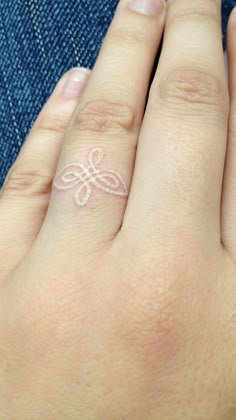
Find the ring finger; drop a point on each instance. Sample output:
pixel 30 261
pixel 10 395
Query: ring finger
pixel 96 163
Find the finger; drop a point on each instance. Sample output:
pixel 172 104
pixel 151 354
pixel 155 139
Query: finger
pixel 26 191
pixel 183 139
pixel 228 214
pixel 98 152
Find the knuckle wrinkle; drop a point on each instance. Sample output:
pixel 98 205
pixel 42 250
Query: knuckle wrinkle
pixel 194 89
pixel 28 181
pixel 103 116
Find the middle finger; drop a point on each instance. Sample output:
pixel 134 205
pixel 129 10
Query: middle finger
pixel 182 143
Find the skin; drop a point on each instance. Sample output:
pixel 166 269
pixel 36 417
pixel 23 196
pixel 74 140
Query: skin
pixel 125 308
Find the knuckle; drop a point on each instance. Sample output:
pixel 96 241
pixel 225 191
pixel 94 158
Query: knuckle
pixel 51 123
pixel 208 14
pixel 129 36
pixel 193 90
pixel 28 181
pixel 102 116
pixel 151 321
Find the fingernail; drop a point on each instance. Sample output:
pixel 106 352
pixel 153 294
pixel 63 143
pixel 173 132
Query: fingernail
pixel 75 82
pixel 147 7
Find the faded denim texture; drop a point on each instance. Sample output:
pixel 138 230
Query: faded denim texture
pixel 39 41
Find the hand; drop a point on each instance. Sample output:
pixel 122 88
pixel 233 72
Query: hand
pixel 118 284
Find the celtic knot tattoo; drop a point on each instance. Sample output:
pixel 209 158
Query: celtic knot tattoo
pixel 89 177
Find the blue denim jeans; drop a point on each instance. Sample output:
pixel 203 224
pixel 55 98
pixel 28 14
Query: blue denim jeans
pixel 39 41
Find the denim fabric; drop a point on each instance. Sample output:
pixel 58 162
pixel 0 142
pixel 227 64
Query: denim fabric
pixel 39 41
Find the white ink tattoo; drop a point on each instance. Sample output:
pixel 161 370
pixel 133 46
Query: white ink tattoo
pixel 87 177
